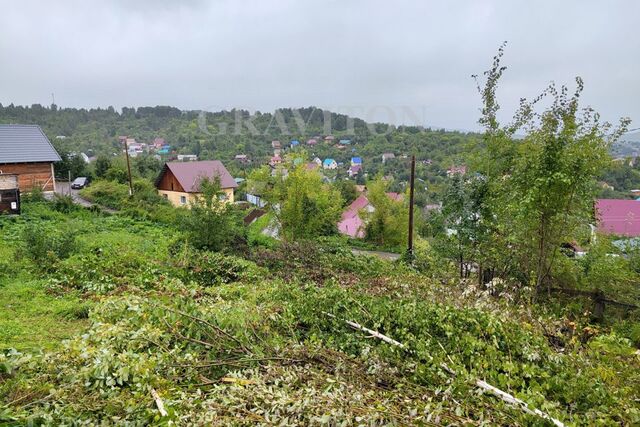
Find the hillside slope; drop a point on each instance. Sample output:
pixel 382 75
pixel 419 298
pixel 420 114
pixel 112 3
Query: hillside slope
pixel 187 337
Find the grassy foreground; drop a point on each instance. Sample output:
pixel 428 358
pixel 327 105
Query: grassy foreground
pixel 175 336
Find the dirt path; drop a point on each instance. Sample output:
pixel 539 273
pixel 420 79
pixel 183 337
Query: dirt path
pixel 63 188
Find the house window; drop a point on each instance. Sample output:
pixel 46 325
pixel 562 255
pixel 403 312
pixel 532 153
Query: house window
pixel 223 197
pixel 183 200
pixel 166 196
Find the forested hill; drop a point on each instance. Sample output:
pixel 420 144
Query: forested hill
pixel 224 134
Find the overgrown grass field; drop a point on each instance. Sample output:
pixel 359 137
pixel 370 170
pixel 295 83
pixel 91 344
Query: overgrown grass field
pixel 107 319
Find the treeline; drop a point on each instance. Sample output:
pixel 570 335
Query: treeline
pixel 224 134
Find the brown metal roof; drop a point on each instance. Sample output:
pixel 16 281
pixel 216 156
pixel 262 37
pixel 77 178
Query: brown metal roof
pixel 189 174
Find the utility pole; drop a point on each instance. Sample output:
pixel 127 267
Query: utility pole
pixel 411 187
pixel 126 152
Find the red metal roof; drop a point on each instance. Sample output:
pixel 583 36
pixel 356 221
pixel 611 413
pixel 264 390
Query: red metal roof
pixel 618 216
pixel 189 174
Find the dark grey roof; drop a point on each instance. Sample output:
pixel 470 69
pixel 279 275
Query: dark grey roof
pixel 25 143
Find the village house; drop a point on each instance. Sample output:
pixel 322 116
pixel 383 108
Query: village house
pixel 456 170
pixel 294 143
pixel 605 186
pixel 354 170
pixel 187 157
pixel 351 224
pixel 275 160
pixel 356 161
pixel 619 217
pixel 242 158
pixel 276 144
pixel 158 143
pixel 179 182
pixel 312 141
pixel 164 150
pixel 329 138
pixel 387 156
pixel 329 164
pixel 26 152
pixel 136 148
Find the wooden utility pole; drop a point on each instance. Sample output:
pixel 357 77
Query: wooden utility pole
pixel 411 187
pixel 126 152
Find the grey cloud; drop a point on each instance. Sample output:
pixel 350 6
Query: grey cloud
pixel 336 54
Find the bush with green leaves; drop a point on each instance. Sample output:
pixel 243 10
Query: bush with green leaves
pixel 106 193
pixel 63 203
pixel 211 223
pixel 208 268
pixel 45 246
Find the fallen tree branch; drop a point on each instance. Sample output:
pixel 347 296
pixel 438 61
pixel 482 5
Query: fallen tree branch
pixel 207 323
pixel 371 332
pixel 516 402
pixel 159 403
pixel 480 383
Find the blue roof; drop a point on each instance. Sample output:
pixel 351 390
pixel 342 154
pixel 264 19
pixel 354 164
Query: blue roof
pixel 356 160
pixel 345 141
pixel 295 142
pixel 328 161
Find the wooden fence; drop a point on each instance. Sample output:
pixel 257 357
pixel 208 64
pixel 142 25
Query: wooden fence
pixel 599 300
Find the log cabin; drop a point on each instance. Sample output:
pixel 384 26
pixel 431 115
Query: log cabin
pixel 26 151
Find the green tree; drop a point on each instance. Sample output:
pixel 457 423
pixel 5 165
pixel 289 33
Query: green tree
pixel 211 223
pixel 308 208
pixel 387 224
pixel 347 190
pixel 543 186
pixel 304 205
pixel 102 165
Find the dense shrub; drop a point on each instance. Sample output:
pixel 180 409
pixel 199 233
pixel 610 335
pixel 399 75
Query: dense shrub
pixel 106 193
pixel 36 195
pixel 44 246
pixel 63 203
pixel 212 224
pixel 214 268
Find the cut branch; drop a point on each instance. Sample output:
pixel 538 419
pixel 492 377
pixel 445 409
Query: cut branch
pixel 371 332
pixel 480 383
pixel 159 403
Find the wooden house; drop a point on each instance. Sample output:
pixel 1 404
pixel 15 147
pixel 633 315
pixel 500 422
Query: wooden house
pixel 179 182
pixel 25 151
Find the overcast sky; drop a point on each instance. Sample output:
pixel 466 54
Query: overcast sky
pixel 367 57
